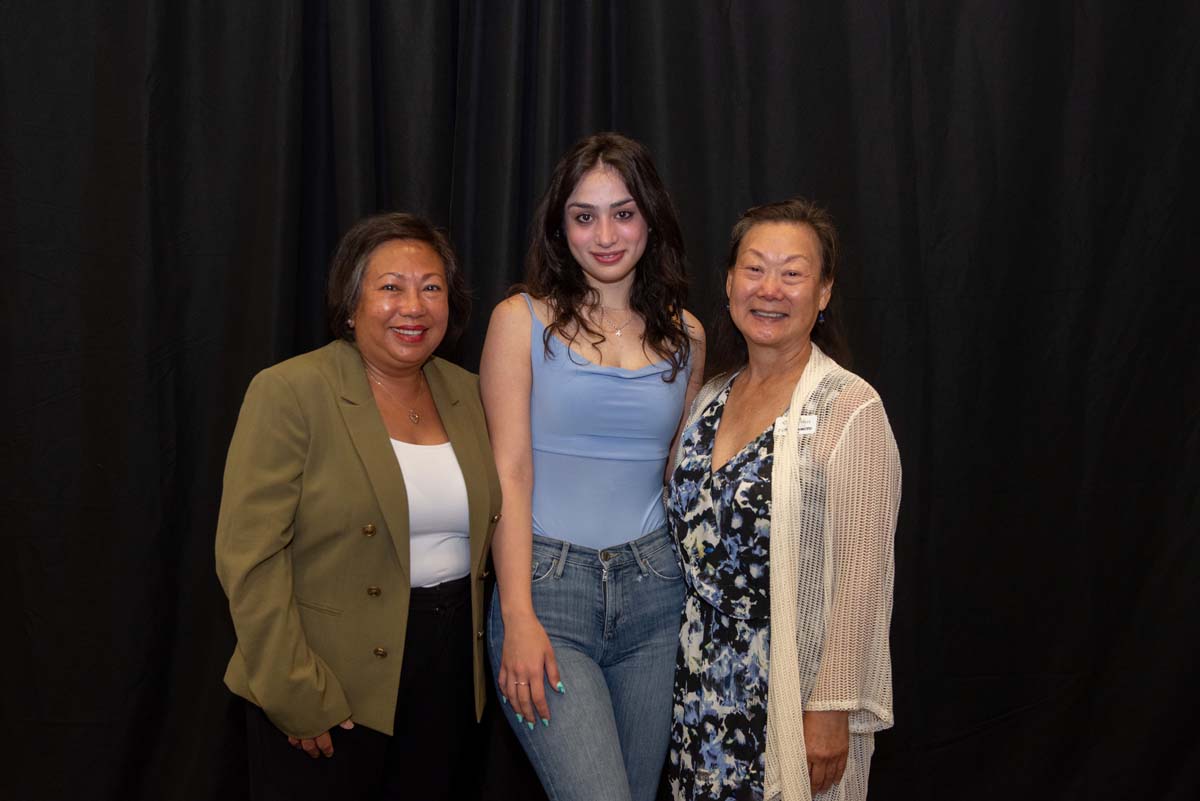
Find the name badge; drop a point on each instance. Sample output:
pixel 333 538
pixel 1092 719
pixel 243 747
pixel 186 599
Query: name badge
pixel 806 424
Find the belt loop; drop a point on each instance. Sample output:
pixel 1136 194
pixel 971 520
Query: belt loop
pixel 637 557
pixel 562 560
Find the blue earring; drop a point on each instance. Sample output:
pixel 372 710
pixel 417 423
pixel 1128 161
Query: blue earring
pixel 820 316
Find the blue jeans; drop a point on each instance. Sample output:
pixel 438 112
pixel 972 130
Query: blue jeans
pixel 613 618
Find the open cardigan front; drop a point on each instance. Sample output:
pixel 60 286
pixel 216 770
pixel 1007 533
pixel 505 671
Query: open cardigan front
pixel 835 495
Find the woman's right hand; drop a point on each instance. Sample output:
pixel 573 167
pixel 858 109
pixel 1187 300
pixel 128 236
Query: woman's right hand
pixel 505 384
pixel 321 744
pixel 525 660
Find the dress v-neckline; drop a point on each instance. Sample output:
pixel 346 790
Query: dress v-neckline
pixel 723 398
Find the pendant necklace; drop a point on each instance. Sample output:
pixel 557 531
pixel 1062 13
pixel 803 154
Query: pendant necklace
pixel 413 415
pixel 616 329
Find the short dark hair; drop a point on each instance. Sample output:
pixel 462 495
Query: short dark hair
pixel 660 279
pixel 729 346
pixel 354 253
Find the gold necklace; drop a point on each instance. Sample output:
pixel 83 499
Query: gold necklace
pixel 413 416
pixel 616 329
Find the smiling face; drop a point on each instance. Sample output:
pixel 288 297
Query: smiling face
pixel 605 230
pixel 775 288
pixel 403 307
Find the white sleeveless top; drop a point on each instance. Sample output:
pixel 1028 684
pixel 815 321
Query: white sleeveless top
pixel 439 542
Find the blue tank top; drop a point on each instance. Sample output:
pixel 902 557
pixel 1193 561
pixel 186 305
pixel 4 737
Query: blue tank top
pixel 601 437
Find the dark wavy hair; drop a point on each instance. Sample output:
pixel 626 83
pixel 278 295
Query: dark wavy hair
pixel 660 276
pixel 354 253
pixel 728 350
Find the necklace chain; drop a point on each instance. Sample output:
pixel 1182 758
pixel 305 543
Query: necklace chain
pixel 616 329
pixel 413 416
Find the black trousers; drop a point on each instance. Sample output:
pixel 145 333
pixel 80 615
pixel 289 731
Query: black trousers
pixel 434 752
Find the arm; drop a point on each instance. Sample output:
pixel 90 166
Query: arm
pixel 264 475
pixel 853 689
pixel 695 381
pixel 505 383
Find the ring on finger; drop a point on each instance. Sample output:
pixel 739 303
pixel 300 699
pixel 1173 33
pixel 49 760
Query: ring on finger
pixel 521 683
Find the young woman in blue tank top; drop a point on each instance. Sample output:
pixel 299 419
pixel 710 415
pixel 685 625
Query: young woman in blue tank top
pixel 585 378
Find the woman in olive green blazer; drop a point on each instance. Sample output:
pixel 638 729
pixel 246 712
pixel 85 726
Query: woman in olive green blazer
pixel 313 546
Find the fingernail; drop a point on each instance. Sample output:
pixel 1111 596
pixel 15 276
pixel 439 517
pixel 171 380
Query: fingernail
pixel 520 718
pixel 504 700
pixel 530 725
pixel 545 722
pixel 561 689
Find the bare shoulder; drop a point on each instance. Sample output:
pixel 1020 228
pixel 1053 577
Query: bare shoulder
pixel 506 344
pixel 511 310
pixel 698 354
pixel 510 318
pixel 694 328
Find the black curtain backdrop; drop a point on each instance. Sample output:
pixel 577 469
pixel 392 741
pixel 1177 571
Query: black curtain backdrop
pixel 1016 185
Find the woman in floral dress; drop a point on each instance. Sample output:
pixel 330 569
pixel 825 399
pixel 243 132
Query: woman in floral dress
pixel 783 502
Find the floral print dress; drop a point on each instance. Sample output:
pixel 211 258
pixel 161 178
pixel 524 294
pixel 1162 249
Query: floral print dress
pixel 722 521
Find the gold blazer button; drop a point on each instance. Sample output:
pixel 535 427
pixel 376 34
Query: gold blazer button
pixel 495 518
pixel 374 592
pixel 380 652
pixel 369 529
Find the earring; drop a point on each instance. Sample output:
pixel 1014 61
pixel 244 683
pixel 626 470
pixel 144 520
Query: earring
pixel 350 321
pixel 821 316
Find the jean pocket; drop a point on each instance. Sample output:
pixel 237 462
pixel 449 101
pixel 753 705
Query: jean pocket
pixel 664 564
pixel 542 568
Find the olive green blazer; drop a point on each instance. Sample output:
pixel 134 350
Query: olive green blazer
pixel 312 539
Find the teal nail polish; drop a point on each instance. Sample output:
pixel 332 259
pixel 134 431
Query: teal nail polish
pixel 504 700
pixel 530 725
pixel 561 689
pixel 545 722
pixel 520 718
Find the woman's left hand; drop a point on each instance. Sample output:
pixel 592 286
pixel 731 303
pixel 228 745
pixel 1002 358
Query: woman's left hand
pixel 827 743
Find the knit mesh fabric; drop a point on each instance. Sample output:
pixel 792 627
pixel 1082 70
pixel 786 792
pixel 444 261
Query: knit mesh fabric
pixel 835 494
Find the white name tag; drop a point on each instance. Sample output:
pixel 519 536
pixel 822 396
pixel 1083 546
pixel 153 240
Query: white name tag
pixel 805 424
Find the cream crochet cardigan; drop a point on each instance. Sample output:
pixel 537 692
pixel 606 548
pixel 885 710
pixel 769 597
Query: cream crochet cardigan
pixel 835 494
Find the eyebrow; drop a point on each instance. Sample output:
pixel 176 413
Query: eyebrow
pixel 424 277
pixel 591 207
pixel 793 257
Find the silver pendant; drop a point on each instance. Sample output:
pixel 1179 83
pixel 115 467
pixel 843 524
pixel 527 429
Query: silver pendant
pixel 413 417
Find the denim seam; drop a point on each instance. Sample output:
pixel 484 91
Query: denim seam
pixel 536 579
pixel 668 578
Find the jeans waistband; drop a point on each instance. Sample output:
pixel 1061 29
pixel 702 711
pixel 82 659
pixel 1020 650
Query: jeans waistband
pixel 633 552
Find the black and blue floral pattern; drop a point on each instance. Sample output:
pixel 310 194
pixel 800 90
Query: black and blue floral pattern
pixel 722 522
